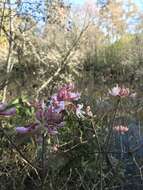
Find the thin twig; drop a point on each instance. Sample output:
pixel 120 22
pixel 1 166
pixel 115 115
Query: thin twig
pixel 63 63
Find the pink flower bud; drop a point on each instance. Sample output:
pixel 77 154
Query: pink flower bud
pixel 32 128
pixel 3 106
pixel 8 112
pixel 22 130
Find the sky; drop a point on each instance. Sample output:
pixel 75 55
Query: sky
pixel 76 2
pixel 38 15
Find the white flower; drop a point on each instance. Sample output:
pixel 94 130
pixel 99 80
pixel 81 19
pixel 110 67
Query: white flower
pixel 79 111
pixel 133 95
pixel 115 91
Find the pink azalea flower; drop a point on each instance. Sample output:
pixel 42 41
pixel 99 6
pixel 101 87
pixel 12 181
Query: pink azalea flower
pixel 89 112
pixel 8 112
pixel 120 128
pixel 62 94
pixel 52 117
pixel 54 97
pixel 70 86
pixel 66 93
pixel 79 111
pixel 124 92
pixel 73 96
pixel 22 130
pixel 58 106
pixel 119 91
pixel 28 129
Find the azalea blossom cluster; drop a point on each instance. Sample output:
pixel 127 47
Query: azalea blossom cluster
pixel 51 117
pixel 121 92
pixel 121 129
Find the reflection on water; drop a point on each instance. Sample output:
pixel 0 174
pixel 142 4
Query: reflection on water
pixel 128 149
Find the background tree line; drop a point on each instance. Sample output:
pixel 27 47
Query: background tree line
pixel 46 38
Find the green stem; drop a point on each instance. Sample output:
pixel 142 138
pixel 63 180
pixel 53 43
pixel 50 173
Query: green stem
pixel 43 160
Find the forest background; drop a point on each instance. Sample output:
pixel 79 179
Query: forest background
pixel 44 44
